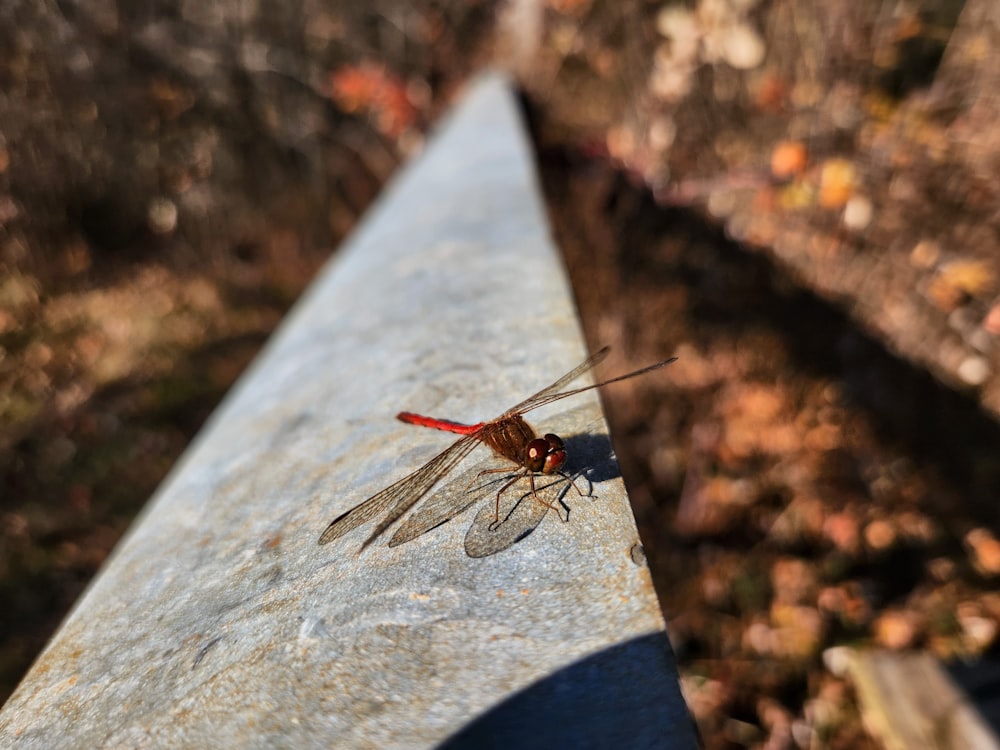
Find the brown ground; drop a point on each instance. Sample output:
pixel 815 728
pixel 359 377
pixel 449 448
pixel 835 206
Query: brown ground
pixel 814 235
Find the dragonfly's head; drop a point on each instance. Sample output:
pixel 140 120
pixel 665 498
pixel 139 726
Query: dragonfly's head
pixel 545 455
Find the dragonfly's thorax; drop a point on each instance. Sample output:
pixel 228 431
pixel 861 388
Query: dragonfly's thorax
pixel 509 437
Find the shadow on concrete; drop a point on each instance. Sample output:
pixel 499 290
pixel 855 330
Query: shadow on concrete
pixel 624 696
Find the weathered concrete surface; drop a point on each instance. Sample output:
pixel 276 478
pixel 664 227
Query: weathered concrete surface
pixel 219 621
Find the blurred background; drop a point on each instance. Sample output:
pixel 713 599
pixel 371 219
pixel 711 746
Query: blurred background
pixel 799 198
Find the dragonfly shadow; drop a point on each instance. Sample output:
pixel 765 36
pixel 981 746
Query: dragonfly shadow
pixel 592 456
pixel 590 461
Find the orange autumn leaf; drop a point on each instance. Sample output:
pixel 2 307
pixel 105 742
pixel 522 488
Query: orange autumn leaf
pixel 372 90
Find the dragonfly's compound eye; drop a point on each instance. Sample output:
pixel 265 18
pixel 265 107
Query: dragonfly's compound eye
pixel 555 456
pixel 536 454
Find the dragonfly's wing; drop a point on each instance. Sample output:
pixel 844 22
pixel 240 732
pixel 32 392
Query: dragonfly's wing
pixel 398 498
pixel 485 537
pixel 545 395
pixel 439 508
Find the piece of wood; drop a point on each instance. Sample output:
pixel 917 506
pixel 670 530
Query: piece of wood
pixel 908 701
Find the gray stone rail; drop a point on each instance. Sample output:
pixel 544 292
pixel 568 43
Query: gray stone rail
pixel 220 622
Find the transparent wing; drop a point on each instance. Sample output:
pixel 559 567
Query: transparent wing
pixel 441 507
pixel 398 498
pixel 547 396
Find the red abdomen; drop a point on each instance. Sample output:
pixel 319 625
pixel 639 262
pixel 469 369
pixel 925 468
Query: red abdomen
pixel 438 424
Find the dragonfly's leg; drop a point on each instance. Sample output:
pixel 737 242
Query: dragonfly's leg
pixel 490 471
pixel 496 515
pixel 531 478
pixel 569 479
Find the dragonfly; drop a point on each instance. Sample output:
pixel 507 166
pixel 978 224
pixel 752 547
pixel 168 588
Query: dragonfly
pixel 509 436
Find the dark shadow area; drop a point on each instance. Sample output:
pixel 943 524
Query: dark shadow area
pixel 591 457
pixel 980 681
pixel 622 697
